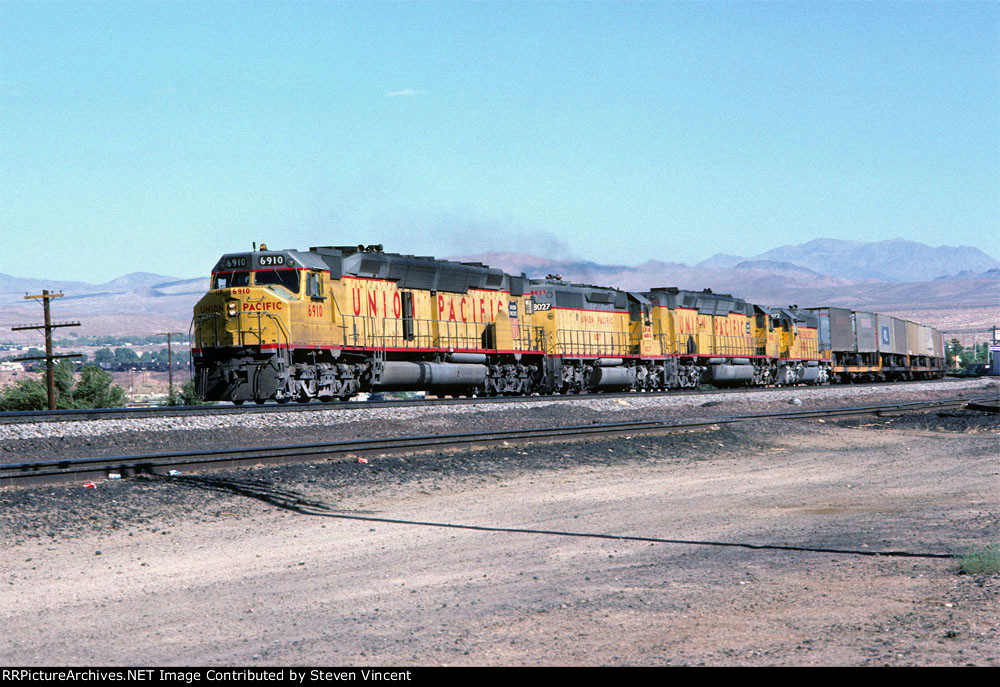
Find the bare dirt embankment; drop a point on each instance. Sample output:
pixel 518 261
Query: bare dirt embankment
pixel 180 573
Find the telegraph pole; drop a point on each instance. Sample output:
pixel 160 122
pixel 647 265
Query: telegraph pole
pixel 45 297
pixel 170 361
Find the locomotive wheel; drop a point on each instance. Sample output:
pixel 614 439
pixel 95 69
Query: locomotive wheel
pixel 238 403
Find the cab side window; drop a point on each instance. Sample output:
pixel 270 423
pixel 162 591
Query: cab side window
pixel 228 280
pixel 314 285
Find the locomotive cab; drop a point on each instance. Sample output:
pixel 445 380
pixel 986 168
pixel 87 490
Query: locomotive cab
pixel 249 300
pixel 242 328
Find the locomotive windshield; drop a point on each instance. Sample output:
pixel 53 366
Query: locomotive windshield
pixel 227 280
pixel 286 278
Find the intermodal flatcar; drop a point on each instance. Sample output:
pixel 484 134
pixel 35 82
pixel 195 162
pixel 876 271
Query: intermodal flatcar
pixel 864 346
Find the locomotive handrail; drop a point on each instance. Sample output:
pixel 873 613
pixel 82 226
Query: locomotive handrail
pixel 388 332
pixel 282 332
pixel 733 344
pixel 592 342
pixel 686 344
pixel 281 329
pixel 369 334
pixel 541 339
pixel 199 343
pixel 454 337
pixel 193 334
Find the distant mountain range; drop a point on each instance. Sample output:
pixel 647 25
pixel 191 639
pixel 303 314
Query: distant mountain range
pixel 956 289
pixel 137 304
pixel 825 269
pixel 890 261
pixel 14 288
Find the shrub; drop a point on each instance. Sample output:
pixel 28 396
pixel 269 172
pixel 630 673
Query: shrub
pixel 93 390
pixel 981 560
pixel 189 396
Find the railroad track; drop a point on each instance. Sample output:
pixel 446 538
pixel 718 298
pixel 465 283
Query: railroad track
pixel 159 463
pixel 26 417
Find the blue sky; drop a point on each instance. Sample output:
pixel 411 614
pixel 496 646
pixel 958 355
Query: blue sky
pixel 157 136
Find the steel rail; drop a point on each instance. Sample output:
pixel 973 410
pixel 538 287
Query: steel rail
pixel 138 413
pixel 127 465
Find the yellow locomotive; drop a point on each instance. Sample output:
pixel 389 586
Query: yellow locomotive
pixel 335 321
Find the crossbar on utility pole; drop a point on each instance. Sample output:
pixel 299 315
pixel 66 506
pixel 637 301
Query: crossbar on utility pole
pixel 45 297
pixel 170 361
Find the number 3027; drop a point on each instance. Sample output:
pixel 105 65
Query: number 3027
pixel 315 310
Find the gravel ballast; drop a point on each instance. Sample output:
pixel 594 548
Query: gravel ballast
pixel 49 441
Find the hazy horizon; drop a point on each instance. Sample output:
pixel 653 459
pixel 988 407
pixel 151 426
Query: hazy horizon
pixel 640 260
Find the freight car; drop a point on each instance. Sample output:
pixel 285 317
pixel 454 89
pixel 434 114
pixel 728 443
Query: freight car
pixel 873 347
pixel 335 321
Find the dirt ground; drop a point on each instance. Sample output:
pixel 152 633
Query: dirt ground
pixel 175 572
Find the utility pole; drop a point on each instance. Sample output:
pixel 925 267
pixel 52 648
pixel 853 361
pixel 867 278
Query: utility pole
pixel 170 361
pixel 45 297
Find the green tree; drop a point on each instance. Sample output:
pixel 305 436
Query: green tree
pixel 96 389
pixel 104 355
pixel 27 394
pixel 93 390
pixel 126 355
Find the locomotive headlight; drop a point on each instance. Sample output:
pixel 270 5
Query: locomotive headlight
pixel 231 308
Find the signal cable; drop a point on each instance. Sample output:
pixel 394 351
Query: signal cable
pixel 291 500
